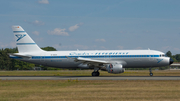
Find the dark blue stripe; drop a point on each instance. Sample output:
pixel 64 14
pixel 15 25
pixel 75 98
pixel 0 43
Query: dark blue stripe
pixel 112 56
pixel 19 31
pixel 26 44
pixel 105 56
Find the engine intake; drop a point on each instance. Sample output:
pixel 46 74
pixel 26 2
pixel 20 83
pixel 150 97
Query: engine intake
pixel 115 68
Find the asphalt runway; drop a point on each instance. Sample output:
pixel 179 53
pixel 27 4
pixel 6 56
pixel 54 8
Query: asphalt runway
pixel 89 78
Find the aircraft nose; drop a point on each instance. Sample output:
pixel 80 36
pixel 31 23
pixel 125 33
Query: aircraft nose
pixel 171 61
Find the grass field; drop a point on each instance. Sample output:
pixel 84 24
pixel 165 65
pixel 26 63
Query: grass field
pixel 74 90
pixel 88 73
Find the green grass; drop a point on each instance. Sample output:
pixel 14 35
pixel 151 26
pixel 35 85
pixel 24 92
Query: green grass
pixel 87 90
pixel 88 73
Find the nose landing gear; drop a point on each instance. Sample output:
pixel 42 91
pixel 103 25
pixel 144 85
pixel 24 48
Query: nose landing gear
pixel 151 74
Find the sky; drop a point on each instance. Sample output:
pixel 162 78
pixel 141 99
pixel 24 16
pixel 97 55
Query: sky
pixel 94 24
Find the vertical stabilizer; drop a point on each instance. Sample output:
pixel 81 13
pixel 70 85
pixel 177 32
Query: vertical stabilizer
pixel 24 42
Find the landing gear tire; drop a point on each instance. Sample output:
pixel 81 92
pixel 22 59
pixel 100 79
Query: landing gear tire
pixel 151 74
pixel 95 73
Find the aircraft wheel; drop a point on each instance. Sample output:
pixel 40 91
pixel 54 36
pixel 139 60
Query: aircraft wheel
pixel 97 73
pixel 151 74
pixel 93 74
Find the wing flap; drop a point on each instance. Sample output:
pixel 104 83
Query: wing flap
pixel 87 60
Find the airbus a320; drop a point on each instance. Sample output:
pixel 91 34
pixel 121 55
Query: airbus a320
pixel 112 61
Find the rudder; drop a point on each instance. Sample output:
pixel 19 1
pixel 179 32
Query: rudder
pixel 24 42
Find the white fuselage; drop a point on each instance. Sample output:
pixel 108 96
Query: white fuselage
pixel 128 58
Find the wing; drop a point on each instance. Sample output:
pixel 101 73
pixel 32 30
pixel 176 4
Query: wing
pixel 90 62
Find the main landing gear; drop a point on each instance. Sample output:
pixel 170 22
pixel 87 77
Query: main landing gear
pixel 95 73
pixel 151 74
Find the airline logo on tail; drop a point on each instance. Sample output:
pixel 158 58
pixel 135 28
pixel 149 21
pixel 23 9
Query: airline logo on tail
pixel 20 36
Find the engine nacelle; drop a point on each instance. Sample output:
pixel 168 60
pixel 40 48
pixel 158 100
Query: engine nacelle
pixel 115 68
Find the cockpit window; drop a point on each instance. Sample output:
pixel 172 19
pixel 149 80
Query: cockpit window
pixel 162 55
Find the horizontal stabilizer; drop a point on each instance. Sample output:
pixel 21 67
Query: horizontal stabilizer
pixel 19 55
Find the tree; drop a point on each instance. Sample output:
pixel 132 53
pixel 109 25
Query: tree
pixel 177 56
pixel 7 63
pixel 49 48
pixel 169 54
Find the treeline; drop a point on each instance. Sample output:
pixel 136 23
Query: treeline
pixel 176 57
pixel 7 63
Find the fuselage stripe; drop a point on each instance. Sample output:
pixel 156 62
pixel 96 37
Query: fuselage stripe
pixel 98 56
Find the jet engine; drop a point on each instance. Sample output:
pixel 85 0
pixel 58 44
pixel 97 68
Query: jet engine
pixel 115 68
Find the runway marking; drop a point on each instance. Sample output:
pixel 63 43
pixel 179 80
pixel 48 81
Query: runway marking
pixel 90 78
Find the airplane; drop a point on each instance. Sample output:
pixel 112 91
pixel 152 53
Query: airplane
pixel 112 61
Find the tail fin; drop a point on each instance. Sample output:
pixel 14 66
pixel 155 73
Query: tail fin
pixel 24 42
